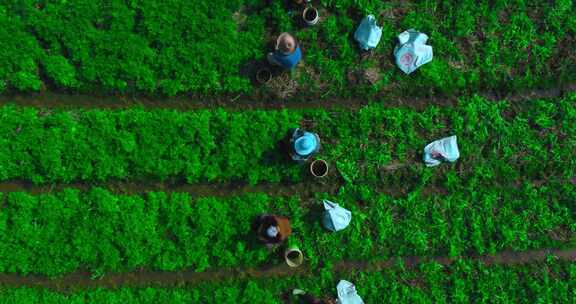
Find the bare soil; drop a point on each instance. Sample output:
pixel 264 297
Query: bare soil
pixel 306 189
pixel 196 190
pixel 240 102
pixel 144 278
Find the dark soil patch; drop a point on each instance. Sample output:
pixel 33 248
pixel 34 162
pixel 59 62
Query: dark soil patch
pixel 145 278
pixel 304 189
pixel 241 102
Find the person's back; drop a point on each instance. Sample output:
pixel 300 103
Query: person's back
pixel 303 297
pixel 288 60
pixel 273 229
pixel 287 53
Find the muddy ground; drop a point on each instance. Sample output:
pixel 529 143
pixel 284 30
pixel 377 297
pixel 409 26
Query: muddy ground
pixel 145 278
pixel 239 102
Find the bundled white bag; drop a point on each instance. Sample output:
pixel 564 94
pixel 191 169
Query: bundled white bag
pixel 412 51
pixel 440 150
pixel 335 217
pixel 368 33
pixel 347 293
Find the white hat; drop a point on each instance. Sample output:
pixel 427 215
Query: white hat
pixel 286 43
pixel 272 231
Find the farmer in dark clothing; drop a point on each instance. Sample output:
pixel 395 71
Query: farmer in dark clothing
pixel 303 145
pixel 308 299
pixel 272 229
pixel 303 297
pixel 287 53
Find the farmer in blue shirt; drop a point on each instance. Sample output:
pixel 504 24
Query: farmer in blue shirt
pixel 303 145
pixel 287 53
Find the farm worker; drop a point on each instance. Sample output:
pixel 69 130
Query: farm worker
pixel 306 298
pixel 300 2
pixel 287 53
pixel 303 145
pixel 273 229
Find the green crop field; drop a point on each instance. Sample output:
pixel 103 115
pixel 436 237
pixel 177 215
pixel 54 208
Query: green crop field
pixel 206 47
pixel 149 195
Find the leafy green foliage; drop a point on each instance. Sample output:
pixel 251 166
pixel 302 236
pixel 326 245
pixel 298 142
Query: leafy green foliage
pixel 102 145
pixel 478 45
pixel 19 55
pixel 509 190
pixel 179 47
pixel 100 231
pixel 128 46
pixel 500 145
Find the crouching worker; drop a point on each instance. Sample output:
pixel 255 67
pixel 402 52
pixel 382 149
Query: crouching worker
pixel 287 53
pixel 272 229
pixel 303 145
pixel 306 298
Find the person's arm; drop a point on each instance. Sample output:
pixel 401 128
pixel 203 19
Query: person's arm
pixel 295 134
pixel 319 143
pixel 284 228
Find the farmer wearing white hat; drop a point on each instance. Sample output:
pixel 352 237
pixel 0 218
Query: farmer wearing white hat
pixel 273 229
pixel 307 298
pixel 287 53
pixel 304 145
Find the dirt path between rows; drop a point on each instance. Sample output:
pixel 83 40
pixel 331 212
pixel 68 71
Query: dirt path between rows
pixel 168 279
pixel 239 102
pixel 308 187
pixel 196 190
pixel 304 189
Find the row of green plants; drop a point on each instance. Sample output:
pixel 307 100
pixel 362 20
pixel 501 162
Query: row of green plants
pixel 500 142
pixel 463 282
pixel 478 45
pixel 127 46
pixel 102 232
pixel 211 47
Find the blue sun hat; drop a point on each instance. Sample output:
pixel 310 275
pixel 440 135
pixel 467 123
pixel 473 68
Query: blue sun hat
pixel 306 144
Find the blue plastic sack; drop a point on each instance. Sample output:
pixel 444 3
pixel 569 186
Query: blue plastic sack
pixel 368 33
pixel 412 51
pixel 335 217
pixel 445 149
pixel 347 293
